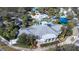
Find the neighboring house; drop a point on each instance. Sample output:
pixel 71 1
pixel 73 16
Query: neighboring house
pixel 63 12
pixel 35 9
pixel 39 16
pixel 45 33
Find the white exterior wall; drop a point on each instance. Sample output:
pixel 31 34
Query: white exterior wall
pixel 44 42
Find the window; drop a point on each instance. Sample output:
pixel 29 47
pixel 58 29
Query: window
pixel 49 40
pixel 52 39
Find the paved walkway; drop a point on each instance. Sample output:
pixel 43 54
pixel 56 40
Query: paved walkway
pixel 75 31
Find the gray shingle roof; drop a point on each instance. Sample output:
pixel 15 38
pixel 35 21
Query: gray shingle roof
pixel 38 30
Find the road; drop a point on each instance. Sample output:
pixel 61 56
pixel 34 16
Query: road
pixel 36 49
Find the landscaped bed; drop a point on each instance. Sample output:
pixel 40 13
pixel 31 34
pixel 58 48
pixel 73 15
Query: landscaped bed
pixel 23 46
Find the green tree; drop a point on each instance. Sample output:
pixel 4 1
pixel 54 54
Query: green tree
pixel 10 31
pixel 6 35
pixel 22 39
pixel 1 31
pixel 27 40
pixel 52 11
pixel 13 33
